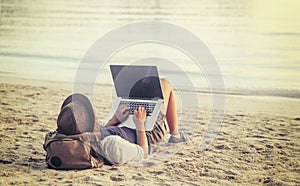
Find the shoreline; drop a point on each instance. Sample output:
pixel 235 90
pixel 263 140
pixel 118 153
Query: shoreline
pixel 263 93
pixel 276 105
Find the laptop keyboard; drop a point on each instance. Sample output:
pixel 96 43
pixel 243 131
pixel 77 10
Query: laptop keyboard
pixel 135 105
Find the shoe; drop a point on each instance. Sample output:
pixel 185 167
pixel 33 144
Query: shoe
pixel 183 138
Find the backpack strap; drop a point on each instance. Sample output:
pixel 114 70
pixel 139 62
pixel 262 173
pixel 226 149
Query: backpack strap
pixel 93 139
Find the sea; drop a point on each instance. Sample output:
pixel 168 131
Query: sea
pixel 256 44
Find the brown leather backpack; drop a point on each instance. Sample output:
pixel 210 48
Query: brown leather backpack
pixel 80 151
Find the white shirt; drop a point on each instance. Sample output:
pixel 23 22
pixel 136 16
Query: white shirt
pixel 119 151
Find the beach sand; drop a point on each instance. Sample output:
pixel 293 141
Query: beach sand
pixel 258 143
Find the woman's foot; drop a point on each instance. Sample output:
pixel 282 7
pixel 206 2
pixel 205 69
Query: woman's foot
pixel 182 138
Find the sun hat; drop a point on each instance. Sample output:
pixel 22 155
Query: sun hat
pixel 76 115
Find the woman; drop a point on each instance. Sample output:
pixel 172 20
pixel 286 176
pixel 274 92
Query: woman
pixel 121 144
pixel 115 139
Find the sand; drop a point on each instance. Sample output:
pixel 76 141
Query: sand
pixel 258 142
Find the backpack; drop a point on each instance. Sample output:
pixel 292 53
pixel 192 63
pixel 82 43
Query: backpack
pixel 80 151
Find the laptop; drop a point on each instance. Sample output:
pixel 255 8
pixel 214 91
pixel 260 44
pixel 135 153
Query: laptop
pixel 137 86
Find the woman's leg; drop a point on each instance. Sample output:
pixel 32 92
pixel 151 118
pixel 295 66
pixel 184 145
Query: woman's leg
pixel 170 106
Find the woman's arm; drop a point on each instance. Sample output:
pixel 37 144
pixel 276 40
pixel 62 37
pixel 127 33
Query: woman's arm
pixel 139 121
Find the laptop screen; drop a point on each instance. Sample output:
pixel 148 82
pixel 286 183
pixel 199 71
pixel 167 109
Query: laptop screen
pixel 136 82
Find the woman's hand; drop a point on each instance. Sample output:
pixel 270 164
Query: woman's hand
pixel 121 115
pixel 139 118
